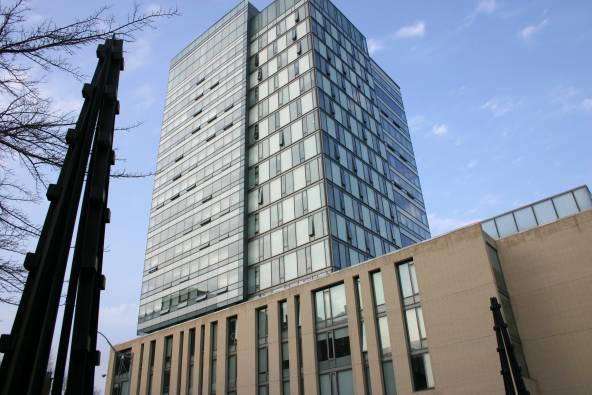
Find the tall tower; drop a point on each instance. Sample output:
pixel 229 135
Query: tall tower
pixel 284 155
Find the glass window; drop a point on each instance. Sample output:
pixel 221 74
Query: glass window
pixel 275 189
pixel 497 268
pixel 307 103
pixel 565 205
pixel 338 302
pixel 265 275
pixel 288 210
pixel 345 383
pixel 490 229
pixel 325 384
pixel 583 198
pixel 506 225
pixel 342 348
pixel 232 371
pixel 405 281
pixel 320 306
pixel 277 242
pixel 377 288
pixel 545 212
pixel 421 367
pixel 383 331
pixel 290 266
pixel 314 198
pixel 299 178
pixel 413 329
pixel 389 378
pixel 302 232
pixel 310 147
pixel 317 253
pixel 525 219
pixel 262 323
pixel 264 221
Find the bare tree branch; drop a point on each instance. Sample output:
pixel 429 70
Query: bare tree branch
pixel 32 130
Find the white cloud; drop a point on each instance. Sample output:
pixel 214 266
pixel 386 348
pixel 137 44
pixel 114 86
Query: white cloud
pixel 440 129
pixel 499 105
pixel 472 164
pixel 586 104
pixel 486 7
pixel 564 98
pixel 483 7
pixel 374 45
pixel 416 123
pixel 143 96
pixel 440 225
pixel 138 53
pixel 152 8
pixel 490 199
pixel 529 32
pixel 418 29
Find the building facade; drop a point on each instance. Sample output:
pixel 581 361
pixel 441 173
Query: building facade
pixel 412 320
pixel 284 155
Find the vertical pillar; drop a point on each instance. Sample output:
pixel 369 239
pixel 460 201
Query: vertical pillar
pixel 182 389
pixel 273 348
pixel 207 359
pixel 199 361
pixel 309 359
pixel 135 373
pixel 293 347
pixel 158 365
pixel 374 351
pixel 174 362
pixel 397 330
pixel 145 367
pixel 246 351
pixel 221 356
pixel 353 325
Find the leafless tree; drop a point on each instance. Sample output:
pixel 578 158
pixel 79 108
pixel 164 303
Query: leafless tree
pixel 32 130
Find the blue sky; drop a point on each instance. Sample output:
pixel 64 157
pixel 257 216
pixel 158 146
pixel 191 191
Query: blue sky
pixel 498 96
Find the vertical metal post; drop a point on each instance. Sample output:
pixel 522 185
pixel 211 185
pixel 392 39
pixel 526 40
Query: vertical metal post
pixel 505 369
pixel 510 370
pixel 83 354
pixel 26 350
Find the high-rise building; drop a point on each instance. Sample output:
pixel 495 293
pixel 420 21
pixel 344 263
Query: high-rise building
pixel 284 155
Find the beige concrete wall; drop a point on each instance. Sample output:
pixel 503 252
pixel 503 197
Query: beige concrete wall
pixel 549 275
pixel 548 271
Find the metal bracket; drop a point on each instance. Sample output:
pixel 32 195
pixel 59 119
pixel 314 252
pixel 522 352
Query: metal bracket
pixel 71 136
pixel 30 261
pixel 53 192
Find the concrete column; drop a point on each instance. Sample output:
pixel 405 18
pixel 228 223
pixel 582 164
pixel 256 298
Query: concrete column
pixel 274 378
pixel 221 357
pixel 246 351
pixel 145 365
pixel 135 373
pixel 355 339
pixel 309 357
pixel 197 362
pixel 372 340
pixel 293 346
pixel 182 388
pixel 207 354
pixel 158 365
pixel 110 369
pixel 178 336
pixel 397 330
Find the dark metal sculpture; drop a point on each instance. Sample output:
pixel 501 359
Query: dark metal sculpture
pixel 26 350
pixel 510 370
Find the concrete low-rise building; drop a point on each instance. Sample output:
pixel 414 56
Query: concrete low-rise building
pixel 415 319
